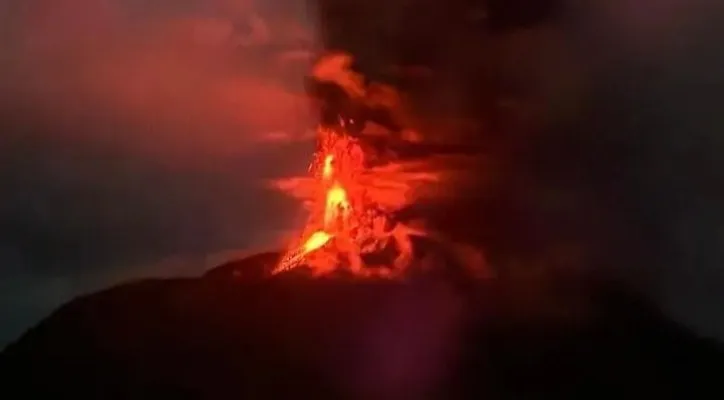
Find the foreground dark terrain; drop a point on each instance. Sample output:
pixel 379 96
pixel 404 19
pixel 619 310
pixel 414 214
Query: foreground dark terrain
pixel 233 334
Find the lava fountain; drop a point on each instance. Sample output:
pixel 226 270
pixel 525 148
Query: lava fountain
pixel 357 186
pixel 349 223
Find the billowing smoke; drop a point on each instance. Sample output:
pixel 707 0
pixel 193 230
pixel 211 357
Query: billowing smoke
pixel 137 137
pixel 606 123
pixel 599 121
pixel 222 76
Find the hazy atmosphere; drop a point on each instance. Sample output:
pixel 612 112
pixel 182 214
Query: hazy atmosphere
pixel 138 136
pixel 136 139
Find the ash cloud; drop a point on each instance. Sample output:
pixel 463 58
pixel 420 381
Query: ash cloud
pixel 137 132
pixel 658 67
pixel 629 126
pixel 602 121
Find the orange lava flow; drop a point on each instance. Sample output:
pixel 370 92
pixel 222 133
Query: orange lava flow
pixel 345 223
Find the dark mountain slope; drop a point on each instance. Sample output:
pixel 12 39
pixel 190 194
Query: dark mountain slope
pixel 230 334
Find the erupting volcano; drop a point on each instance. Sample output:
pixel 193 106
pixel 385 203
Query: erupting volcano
pixel 349 227
pixel 368 171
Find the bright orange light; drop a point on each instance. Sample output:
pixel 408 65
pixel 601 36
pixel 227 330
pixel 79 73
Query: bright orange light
pixel 337 206
pixel 317 240
pixel 327 170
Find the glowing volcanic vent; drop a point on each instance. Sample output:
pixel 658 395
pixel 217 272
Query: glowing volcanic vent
pixel 350 225
pixel 360 184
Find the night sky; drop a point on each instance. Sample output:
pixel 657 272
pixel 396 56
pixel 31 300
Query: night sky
pixel 137 137
pixel 136 140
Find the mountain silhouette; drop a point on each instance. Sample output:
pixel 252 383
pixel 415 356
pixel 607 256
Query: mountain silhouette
pixel 237 333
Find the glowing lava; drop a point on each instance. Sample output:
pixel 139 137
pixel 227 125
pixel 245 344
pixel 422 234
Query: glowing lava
pixel 346 223
pixel 359 184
